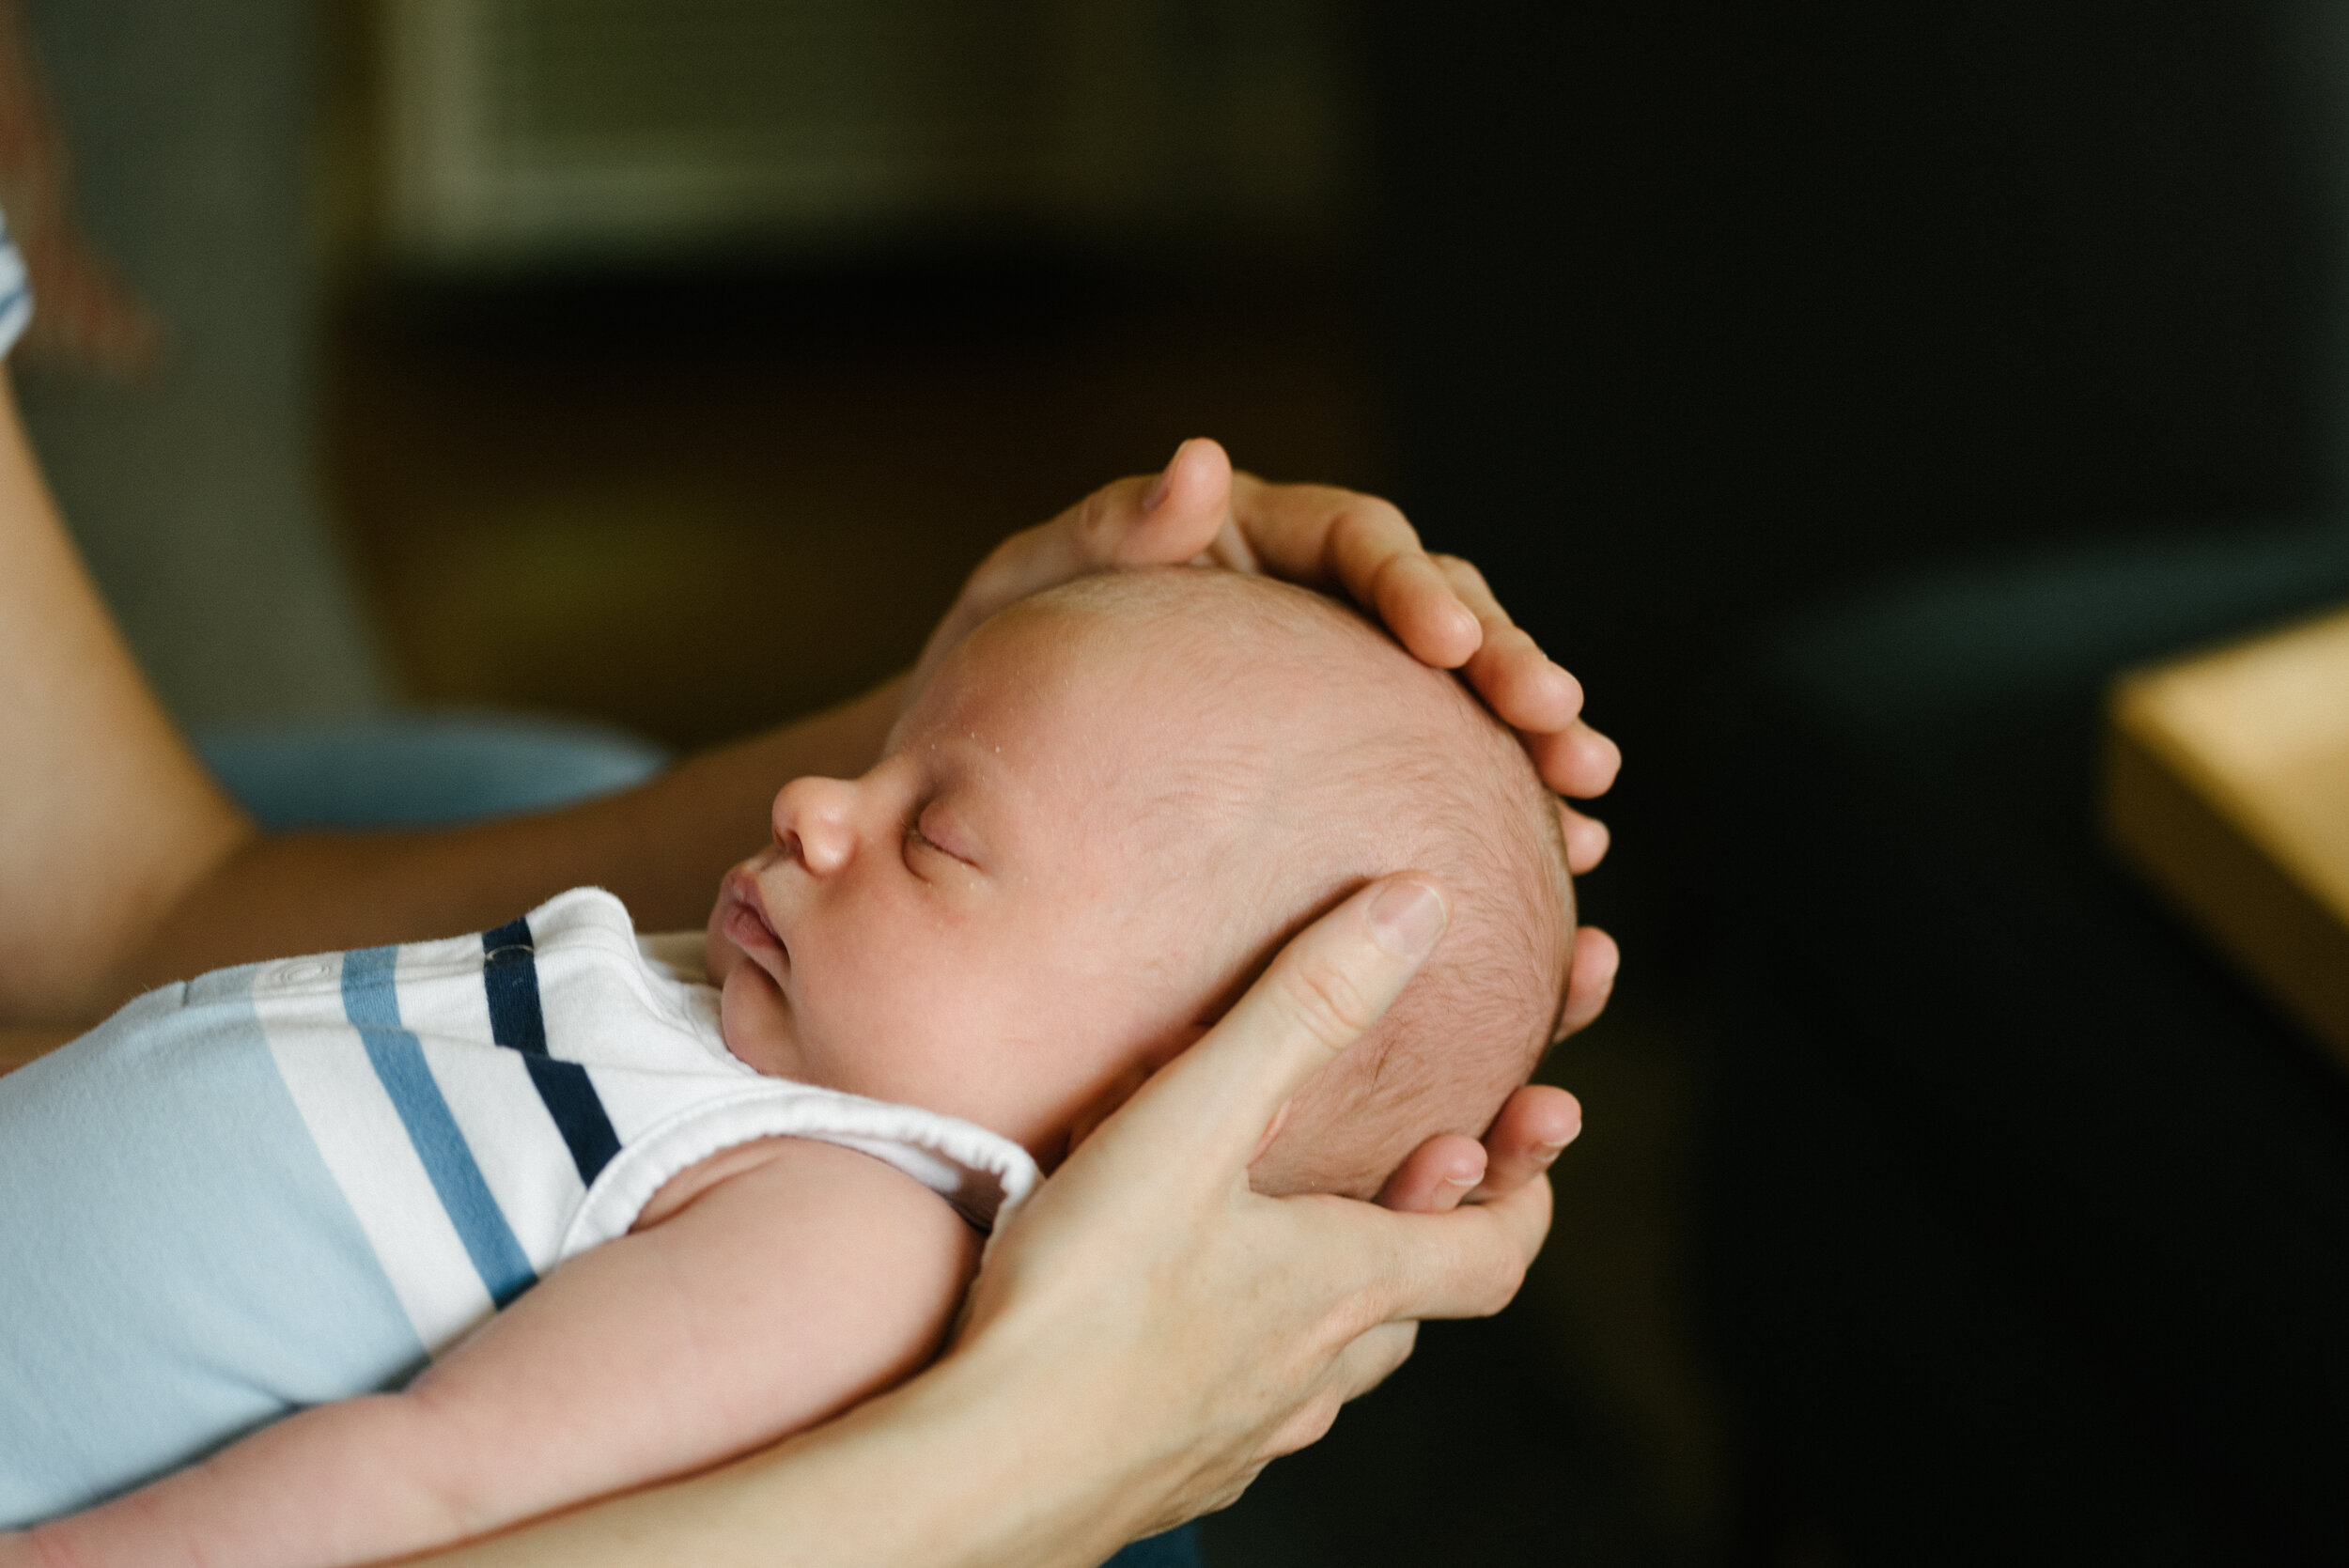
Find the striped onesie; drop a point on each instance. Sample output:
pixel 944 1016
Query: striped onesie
pixel 294 1182
pixel 15 295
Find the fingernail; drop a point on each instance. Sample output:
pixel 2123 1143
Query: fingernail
pixel 1544 1154
pixel 1406 918
pixel 1157 497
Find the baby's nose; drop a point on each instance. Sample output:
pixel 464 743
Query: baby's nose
pixel 815 823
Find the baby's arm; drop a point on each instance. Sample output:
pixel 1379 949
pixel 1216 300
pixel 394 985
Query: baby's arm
pixel 781 1295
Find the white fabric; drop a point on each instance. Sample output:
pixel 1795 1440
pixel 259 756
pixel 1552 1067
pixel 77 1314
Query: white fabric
pixel 471 1175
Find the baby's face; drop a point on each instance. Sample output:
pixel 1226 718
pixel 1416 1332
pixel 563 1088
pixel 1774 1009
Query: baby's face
pixel 965 929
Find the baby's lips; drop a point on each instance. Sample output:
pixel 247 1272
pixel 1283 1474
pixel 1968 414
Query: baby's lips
pixel 746 919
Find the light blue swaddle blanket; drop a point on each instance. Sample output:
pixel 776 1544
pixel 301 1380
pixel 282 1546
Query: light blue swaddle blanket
pixel 150 1336
pixel 117 1360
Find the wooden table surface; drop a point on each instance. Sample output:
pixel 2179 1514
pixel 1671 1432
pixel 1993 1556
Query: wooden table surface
pixel 2228 789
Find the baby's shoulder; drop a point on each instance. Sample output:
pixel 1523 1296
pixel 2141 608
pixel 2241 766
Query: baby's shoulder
pixel 828 1196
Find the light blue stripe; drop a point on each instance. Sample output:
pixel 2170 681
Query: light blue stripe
pixel 180 1265
pixel 371 1003
pixel 15 315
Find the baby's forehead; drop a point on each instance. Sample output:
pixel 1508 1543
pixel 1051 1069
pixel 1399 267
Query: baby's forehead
pixel 1205 692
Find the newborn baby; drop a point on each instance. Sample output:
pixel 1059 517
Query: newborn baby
pixel 1096 829
pixel 1109 808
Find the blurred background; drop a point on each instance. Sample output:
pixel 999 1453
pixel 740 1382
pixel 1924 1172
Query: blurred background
pixel 1844 392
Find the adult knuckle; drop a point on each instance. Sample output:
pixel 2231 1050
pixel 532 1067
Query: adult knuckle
pixel 1307 1425
pixel 1346 534
pixel 1499 1282
pixel 1327 1004
pixel 1378 513
pixel 1095 520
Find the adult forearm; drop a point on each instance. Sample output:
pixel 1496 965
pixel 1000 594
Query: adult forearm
pixel 661 846
pixel 106 820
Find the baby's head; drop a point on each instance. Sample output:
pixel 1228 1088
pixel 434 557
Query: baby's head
pixel 1111 806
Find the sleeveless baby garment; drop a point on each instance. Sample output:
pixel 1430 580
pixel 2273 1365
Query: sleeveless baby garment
pixel 295 1182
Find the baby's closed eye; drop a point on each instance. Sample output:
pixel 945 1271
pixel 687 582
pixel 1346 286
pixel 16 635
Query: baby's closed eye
pixel 935 830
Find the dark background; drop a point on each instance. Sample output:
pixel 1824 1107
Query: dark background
pixel 1698 324
pixel 1709 316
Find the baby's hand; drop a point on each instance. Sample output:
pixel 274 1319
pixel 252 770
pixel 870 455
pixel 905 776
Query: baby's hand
pixel 1336 541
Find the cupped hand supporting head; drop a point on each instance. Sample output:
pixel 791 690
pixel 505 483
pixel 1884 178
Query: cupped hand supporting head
pixel 1157 1293
pixel 1339 541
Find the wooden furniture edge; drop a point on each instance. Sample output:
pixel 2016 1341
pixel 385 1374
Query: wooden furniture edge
pixel 2165 814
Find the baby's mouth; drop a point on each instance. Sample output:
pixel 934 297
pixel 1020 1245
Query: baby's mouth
pixel 747 925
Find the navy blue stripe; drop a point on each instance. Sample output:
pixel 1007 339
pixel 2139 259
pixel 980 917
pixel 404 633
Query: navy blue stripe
pixel 371 1003
pixel 509 972
pixel 509 975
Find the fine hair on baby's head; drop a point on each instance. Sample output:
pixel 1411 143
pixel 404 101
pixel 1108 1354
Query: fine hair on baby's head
pixel 1299 751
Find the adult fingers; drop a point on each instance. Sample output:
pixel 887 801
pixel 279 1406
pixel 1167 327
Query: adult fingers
pixel 1587 839
pixel 1230 550
pixel 1465 1264
pixel 1510 672
pixel 1336 539
pixel 1146 521
pixel 1152 519
pixel 1577 760
pixel 1533 694
pixel 1435 1176
pixel 1538 1122
pixel 1210 1106
pixel 1590 980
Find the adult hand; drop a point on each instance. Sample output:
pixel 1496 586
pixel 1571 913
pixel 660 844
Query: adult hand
pixel 1532 1128
pixel 1156 1291
pixel 1441 609
pixel 1333 539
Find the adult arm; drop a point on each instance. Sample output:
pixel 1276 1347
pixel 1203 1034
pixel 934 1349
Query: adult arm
pixel 1143 1336
pixel 122 866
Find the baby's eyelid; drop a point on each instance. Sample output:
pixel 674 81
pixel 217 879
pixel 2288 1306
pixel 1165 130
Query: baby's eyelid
pixel 940 837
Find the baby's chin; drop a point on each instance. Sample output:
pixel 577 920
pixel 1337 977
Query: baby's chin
pixel 753 1018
